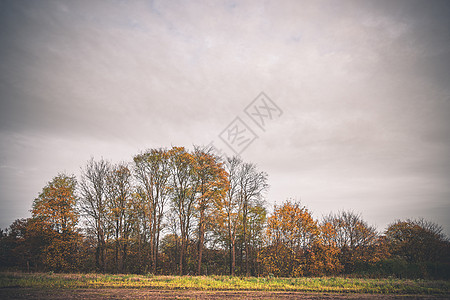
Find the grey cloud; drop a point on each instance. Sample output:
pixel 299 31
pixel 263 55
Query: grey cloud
pixel 363 86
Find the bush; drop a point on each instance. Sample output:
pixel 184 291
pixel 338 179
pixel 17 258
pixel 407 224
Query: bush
pixel 400 268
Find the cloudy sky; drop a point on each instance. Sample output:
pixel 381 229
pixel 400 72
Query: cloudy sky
pixel 364 87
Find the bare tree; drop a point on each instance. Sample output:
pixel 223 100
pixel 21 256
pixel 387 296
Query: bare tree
pixel 231 208
pixel 246 188
pixel 351 230
pixel 93 204
pixel 417 240
pixel 352 235
pixel 120 191
pixel 183 187
pixel 252 185
pixel 153 174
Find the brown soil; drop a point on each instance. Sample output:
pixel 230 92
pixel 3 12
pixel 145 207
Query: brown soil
pixel 67 294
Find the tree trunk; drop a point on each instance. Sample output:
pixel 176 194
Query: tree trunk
pixel 201 238
pixel 124 258
pixel 97 256
pixel 101 251
pixel 183 246
pixel 117 249
pixel 116 257
pixel 181 256
pixel 154 242
pixel 233 260
pixel 247 273
pixel 157 245
pixel 247 269
pixel 200 253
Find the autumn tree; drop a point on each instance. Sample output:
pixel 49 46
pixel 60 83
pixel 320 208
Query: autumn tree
pixel 323 257
pixel 417 241
pixel 180 211
pixel 56 205
pixel 93 190
pixel 291 231
pixel 20 247
pixel 54 217
pixel 212 184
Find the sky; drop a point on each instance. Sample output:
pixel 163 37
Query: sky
pixel 355 103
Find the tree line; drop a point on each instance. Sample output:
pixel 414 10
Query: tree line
pixel 175 211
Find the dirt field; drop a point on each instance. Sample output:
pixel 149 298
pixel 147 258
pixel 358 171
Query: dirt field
pixel 30 293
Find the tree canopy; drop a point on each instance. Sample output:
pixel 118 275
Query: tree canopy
pixel 176 211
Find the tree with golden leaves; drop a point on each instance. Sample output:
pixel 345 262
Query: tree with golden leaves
pixel 212 185
pixel 56 205
pixel 323 256
pixel 54 220
pixel 291 231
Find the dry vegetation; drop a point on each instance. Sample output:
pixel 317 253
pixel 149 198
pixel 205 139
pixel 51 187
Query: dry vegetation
pixel 338 285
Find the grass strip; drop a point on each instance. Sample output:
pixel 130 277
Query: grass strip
pixel 226 283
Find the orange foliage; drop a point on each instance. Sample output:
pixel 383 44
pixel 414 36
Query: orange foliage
pixel 55 206
pixel 51 232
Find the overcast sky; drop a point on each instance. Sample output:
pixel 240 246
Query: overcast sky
pixel 364 87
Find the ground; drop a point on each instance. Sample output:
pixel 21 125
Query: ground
pixel 143 293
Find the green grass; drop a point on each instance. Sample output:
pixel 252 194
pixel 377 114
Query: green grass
pixel 228 283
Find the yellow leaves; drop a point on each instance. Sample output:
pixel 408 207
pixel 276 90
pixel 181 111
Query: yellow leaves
pixel 55 206
pixel 298 245
pixel 293 223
